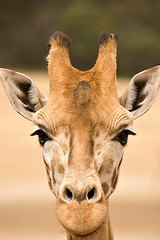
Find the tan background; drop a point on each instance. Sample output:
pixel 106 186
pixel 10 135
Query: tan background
pixel 27 207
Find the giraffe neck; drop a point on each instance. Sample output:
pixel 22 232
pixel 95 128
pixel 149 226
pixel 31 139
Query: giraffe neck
pixel 103 233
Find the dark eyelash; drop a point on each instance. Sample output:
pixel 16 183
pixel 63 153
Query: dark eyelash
pixel 43 137
pixel 122 137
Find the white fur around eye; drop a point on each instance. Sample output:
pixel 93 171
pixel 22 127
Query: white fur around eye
pixel 36 128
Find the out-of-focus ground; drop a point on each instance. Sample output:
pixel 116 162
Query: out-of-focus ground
pixel 27 207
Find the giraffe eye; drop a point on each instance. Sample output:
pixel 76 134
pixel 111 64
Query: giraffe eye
pixel 122 137
pixel 42 136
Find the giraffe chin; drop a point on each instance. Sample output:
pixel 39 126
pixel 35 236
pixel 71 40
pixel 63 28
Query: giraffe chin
pixel 81 218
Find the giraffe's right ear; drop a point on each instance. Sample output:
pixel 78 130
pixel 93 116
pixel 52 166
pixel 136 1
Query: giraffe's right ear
pixel 22 92
pixel 141 91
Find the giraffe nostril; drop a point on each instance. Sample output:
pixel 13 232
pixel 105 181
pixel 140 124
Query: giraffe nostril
pixel 68 194
pixel 91 194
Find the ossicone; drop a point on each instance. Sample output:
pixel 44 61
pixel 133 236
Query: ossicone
pixel 61 70
pixel 61 39
pixel 106 35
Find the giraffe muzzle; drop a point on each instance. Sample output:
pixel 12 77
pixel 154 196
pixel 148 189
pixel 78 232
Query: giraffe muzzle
pixel 81 210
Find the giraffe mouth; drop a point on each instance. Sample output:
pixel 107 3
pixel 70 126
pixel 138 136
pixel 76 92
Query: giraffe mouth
pixel 81 218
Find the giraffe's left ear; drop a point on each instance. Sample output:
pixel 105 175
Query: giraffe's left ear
pixel 141 92
pixel 22 93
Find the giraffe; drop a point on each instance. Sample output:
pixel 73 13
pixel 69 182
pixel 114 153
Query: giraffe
pixel 82 128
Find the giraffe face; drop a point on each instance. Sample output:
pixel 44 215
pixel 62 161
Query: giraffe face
pixel 105 155
pixel 83 130
pixel 82 160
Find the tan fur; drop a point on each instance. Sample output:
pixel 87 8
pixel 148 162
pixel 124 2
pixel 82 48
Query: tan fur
pixel 86 102
pixel 103 232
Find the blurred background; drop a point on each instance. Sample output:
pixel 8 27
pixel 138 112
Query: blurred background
pixel 27 207
pixel 26 28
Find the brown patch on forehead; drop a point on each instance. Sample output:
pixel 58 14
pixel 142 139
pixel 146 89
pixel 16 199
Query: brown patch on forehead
pixel 105 188
pixel 82 94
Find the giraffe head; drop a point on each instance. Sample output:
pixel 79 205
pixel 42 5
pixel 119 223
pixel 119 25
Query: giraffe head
pixel 83 127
